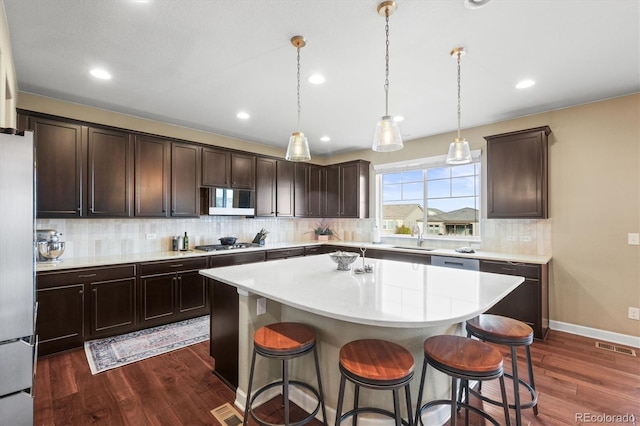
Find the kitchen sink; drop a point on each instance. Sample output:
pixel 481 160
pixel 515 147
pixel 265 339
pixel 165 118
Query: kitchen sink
pixel 414 248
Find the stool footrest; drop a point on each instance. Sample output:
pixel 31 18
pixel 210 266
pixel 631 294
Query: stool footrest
pixel 280 383
pixel 532 403
pixel 374 410
pixel 459 404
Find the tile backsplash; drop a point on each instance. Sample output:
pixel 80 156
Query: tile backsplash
pixel 105 237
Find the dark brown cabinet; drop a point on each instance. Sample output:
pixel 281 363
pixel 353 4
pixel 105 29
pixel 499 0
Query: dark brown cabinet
pixel 216 167
pixel 172 291
pixel 308 195
pixel 66 317
pixel 152 176
pixel 284 188
pixel 110 172
pixel 346 189
pixel 243 171
pixel 529 302
pixel 185 180
pixel 517 174
pixel 265 187
pixel 285 253
pixel 61 165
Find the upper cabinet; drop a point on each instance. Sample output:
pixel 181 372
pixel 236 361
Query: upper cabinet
pixel 284 188
pixel 308 194
pixel 517 174
pixel 110 173
pixel 265 187
pixel 152 176
pixel 228 169
pixel 346 190
pixel 185 180
pixel 61 166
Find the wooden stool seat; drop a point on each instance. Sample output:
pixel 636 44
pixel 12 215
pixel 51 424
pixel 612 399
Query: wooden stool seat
pixel 464 359
pixel 284 341
pixel 376 360
pixel 512 333
pixel 284 337
pixel 462 355
pixel 498 329
pixel 380 365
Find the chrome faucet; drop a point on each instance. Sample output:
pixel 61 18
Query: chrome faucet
pixel 416 231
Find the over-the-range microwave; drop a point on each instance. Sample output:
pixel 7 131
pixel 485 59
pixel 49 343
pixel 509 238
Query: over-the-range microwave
pixel 227 202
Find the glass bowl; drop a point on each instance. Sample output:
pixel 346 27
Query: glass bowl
pixel 344 259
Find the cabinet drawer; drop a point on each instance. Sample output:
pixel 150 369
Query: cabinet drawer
pixel 313 250
pixel 152 268
pixel 236 259
pixel 55 279
pixel 285 253
pixel 507 268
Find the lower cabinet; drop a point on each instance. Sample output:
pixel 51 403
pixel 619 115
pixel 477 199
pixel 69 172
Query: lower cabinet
pixel 285 253
pixel 172 291
pixel 67 316
pixel 530 301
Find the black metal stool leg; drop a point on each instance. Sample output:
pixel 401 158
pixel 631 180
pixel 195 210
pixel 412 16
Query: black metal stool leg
pixel 407 393
pixel 285 389
pixel 340 399
pixel 320 390
pixel 505 403
pixel 396 407
pixel 356 400
pixel 247 404
pixel 531 382
pixel 516 384
pixel 418 420
pixel 454 403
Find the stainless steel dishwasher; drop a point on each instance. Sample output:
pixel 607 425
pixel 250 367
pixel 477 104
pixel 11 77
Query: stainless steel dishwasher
pixel 456 262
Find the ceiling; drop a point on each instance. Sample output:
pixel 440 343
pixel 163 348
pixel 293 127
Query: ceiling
pixel 197 63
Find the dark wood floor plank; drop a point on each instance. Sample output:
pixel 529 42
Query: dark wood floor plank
pixel 178 388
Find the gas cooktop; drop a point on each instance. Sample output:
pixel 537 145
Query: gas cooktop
pixel 216 247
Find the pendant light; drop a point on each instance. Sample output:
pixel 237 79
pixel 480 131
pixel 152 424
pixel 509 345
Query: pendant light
pixel 298 149
pixel 459 152
pixel 387 137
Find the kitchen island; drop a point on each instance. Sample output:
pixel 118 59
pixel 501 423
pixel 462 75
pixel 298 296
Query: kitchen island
pixel 401 302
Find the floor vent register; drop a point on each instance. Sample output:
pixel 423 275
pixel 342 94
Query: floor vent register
pixel 614 348
pixel 227 415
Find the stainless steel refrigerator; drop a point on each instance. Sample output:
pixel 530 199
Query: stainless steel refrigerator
pixel 17 279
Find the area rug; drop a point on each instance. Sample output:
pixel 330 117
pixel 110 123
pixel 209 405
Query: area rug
pixel 112 352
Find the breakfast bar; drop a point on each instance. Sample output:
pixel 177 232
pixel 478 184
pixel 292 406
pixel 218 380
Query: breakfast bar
pixel 404 303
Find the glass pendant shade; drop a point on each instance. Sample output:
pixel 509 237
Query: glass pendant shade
pixel 298 149
pixel 459 152
pixel 387 137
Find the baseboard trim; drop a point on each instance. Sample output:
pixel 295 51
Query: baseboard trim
pixel 594 333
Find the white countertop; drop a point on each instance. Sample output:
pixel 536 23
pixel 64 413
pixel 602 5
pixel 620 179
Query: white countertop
pixel 396 294
pixel 87 262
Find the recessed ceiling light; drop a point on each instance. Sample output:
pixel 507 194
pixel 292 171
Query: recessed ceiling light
pixel 398 118
pixel 525 83
pixel 243 115
pixel 325 139
pixel 100 73
pixel 316 79
pixel 475 4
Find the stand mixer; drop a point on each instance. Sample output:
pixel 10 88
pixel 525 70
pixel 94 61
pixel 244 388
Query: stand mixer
pixel 49 246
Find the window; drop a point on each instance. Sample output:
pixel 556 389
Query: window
pixel 429 196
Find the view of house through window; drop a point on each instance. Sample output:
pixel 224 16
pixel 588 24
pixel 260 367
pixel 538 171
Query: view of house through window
pixel 440 200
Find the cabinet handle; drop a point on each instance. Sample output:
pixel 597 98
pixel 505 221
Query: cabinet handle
pixel 176 266
pixel 95 290
pixel 81 292
pixel 508 269
pixel 87 275
pixel 453 263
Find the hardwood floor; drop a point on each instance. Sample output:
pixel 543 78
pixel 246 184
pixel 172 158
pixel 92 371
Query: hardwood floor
pixel 572 378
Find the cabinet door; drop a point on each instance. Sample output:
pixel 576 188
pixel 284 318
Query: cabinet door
pixel 349 191
pixel 265 187
pixel 331 189
pixel 185 180
pixel 192 294
pixel 152 174
pixel 109 173
pixel 216 168
pixel 517 174
pixel 314 192
pixel 157 299
pixel 243 171
pixel 284 188
pixel 60 320
pixel 521 304
pixel 60 167
pixel 223 344
pixel 300 183
pixel 113 307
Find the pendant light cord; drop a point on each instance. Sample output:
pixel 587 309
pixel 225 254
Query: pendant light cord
pixel 298 89
pixel 459 55
pixel 386 69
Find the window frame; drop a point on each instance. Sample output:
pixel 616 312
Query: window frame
pixel 424 164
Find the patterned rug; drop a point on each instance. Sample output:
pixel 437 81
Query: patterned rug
pixel 112 352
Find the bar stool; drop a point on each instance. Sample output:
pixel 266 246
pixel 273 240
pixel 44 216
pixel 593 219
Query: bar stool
pixel 284 341
pixel 513 333
pixel 465 359
pixel 375 364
